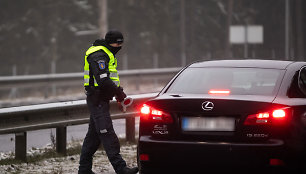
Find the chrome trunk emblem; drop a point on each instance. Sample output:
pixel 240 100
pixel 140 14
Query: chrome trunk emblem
pixel 207 106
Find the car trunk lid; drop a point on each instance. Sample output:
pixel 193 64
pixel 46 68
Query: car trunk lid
pixel 206 117
pixel 221 104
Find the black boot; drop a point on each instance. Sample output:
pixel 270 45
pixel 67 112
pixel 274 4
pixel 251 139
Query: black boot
pixel 127 170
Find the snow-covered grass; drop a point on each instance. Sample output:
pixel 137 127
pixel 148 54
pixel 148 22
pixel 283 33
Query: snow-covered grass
pixel 47 161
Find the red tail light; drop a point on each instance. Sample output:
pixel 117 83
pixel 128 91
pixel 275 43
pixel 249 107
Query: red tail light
pixel 279 113
pixel 145 110
pixel 276 116
pixel 148 113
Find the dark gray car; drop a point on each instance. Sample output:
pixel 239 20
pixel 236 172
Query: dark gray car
pixel 244 113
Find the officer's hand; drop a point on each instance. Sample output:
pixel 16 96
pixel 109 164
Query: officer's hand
pixel 120 95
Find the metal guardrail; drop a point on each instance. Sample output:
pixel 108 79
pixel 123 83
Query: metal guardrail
pixel 28 80
pixel 21 119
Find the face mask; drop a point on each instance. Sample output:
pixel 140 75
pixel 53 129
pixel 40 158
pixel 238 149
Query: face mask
pixel 114 50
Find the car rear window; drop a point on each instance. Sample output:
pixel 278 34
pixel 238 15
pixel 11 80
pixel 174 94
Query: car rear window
pixel 238 81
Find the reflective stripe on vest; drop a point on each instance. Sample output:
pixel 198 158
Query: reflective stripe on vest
pixel 112 65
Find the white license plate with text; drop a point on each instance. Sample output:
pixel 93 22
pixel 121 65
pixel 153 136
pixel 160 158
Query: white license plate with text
pixel 208 124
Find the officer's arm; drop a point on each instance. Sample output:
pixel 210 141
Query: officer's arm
pixel 98 63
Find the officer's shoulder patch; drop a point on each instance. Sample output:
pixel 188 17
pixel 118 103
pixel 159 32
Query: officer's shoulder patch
pixel 101 64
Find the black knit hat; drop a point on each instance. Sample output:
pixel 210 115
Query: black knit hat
pixel 114 36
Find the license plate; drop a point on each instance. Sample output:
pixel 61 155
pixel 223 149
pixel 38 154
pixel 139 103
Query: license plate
pixel 208 124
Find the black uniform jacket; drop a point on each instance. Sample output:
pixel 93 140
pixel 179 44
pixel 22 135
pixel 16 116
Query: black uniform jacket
pixel 107 88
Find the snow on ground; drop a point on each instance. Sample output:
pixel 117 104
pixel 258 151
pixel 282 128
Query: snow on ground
pixel 67 164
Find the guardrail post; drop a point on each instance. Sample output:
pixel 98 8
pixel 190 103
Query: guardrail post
pixel 61 140
pixel 130 129
pixel 21 146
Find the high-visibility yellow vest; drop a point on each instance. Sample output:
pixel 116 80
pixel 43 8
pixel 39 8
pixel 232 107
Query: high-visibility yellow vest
pixel 112 65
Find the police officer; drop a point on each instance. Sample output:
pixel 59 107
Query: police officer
pixel 101 82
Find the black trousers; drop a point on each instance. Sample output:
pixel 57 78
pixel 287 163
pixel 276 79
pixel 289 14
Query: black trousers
pixel 100 131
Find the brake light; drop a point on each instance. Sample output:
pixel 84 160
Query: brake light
pixel 145 110
pixel 215 91
pixel 260 118
pixel 276 116
pixel 279 113
pixel 262 115
pixel 148 113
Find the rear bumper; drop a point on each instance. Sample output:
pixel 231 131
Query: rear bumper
pixel 163 152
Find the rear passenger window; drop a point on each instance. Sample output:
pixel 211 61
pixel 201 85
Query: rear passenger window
pixel 239 81
pixel 302 80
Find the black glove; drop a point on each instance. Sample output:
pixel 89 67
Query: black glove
pixel 120 95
